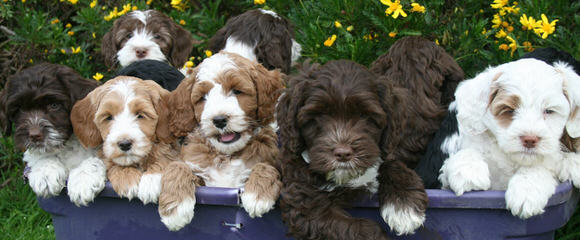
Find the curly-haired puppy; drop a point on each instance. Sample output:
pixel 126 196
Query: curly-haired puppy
pixel 259 35
pixel 127 119
pixel 38 100
pixel 146 34
pixel 511 118
pixel 166 76
pixel 334 121
pixel 446 140
pixel 225 108
pixel 430 76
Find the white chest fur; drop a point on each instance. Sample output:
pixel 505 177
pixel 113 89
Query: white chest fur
pixel 70 155
pixel 231 175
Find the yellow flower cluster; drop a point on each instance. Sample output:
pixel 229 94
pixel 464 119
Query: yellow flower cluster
pixel 98 76
pixel 329 41
pixel 93 4
pixel 179 5
pixel 542 27
pixel 259 2
pixel 396 8
pixel 116 13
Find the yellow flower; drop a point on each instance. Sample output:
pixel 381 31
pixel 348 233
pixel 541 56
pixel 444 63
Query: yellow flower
pixel 75 50
pixel 504 47
pixel 529 23
pixel 71 33
pixel 189 64
pixel 208 53
pixel 94 35
pixel 337 24
pixel 510 28
pixel 68 25
pixel 392 34
pixel 484 31
pixel 417 8
pixel 182 22
pixel 505 24
pixel 513 45
pixel 112 14
pixel 501 34
pixel 126 9
pixel 55 21
pixel 349 28
pixel 329 41
pixel 98 76
pixel 499 3
pixel 23 1
pixel 93 4
pixel 73 1
pixel 259 1
pixel 30 60
pixel 134 8
pixel 62 51
pixel 149 2
pixel 512 10
pixel 395 8
pixel 496 21
pixel 179 5
pixel 437 41
pixel 546 28
pixel 528 46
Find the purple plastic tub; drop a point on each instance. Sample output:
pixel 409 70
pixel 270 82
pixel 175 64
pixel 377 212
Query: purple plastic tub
pixel 475 215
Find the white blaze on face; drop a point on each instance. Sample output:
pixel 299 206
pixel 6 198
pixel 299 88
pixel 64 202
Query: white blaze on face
pixel 141 45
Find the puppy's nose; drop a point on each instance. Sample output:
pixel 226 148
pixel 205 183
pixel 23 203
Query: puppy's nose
pixel 141 52
pixel 343 153
pixel 35 134
pixel 125 145
pixel 220 121
pixel 529 141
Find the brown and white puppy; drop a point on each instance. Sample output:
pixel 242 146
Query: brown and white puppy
pixel 335 121
pixel 127 118
pixel 430 76
pixel 225 109
pixel 259 35
pixel 38 100
pixel 146 34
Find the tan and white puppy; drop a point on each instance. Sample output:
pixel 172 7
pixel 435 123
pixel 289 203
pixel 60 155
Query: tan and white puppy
pixel 224 109
pixel 127 118
pixel 511 118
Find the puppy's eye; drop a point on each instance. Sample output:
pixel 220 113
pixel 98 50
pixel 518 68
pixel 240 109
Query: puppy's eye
pixel 236 92
pixel 202 99
pixel 548 111
pixel 109 118
pixel 54 107
pixel 140 116
pixel 129 35
pixel 507 110
pixel 157 36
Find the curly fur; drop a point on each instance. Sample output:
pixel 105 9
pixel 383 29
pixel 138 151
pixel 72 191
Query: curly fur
pixel 339 106
pixel 429 77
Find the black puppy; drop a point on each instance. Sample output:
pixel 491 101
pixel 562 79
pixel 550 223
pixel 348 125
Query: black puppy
pixel 162 73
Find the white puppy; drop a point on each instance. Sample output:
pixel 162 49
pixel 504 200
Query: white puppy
pixel 511 118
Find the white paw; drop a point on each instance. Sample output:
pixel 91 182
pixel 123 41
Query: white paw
pixel 570 169
pixel 528 193
pixel 524 205
pixel 149 188
pixel 465 171
pixel 181 216
pixel 402 220
pixel 86 181
pixel 256 207
pixel 47 180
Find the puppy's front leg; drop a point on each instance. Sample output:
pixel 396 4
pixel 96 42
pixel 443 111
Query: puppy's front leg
pixel 528 191
pixel 150 183
pixel 177 196
pixel 86 181
pixel 47 177
pixel 570 169
pixel 465 171
pixel 125 180
pixel 261 190
pixel 402 197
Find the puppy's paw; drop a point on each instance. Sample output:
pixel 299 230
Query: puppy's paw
pixel 528 192
pixel 465 171
pixel 129 191
pixel 570 169
pixel 47 180
pixel 86 181
pixel 177 215
pixel 403 219
pixel 149 188
pixel 525 205
pixel 256 206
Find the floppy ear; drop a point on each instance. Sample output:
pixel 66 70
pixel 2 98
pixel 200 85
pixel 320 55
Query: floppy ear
pixel 218 41
pixel 159 100
pixel 452 73
pixel 274 50
pixel 182 45
pixel 109 48
pixel 572 91
pixel 472 98
pixel 268 85
pixel 5 124
pixel 77 86
pixel 83 120
pixel 181 113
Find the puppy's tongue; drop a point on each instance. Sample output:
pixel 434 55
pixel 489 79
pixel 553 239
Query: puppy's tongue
pixel 228 137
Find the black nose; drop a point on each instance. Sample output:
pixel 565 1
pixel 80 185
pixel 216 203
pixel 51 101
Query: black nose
pixel 35 134
pixel 141 52
pixel 125 145
pixel 220 121
pixel 343 153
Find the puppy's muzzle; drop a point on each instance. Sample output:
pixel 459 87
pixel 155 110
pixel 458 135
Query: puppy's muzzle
pixel 141 52
pixel 343 153
pixel 220 121
pixel 530 141
pixel 125 145
pixel 35 134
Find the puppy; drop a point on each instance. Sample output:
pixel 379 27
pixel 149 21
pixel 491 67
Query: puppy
pixel 127 119
pixel 147 34
pixel 259 35
pixel 447 138
pixel 38 100
pixel 225 108
pixel 334 122
pixel 166 76
pixel 511 118
pixel 430 76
